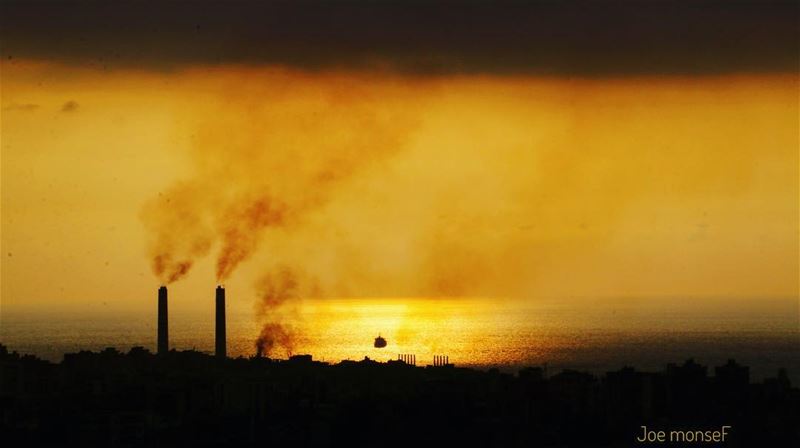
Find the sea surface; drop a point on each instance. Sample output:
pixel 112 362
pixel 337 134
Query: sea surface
pixel 580 334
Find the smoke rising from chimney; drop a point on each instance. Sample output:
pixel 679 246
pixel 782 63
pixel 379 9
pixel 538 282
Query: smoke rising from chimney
pixel 177 230
pixel 275 335
pixel 265 157
pixel 464 186
pixel 241 230
pixel 279 291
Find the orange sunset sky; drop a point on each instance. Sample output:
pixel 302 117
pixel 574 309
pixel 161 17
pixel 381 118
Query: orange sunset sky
pixel 375 181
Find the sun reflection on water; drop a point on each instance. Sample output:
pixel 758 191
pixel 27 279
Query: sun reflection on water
pixel 467 330
pixel 594 335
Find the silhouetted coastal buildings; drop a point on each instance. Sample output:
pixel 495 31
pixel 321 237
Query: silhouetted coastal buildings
pixel 187 398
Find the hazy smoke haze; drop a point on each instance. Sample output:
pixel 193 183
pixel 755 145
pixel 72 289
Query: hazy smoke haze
pixel 375 184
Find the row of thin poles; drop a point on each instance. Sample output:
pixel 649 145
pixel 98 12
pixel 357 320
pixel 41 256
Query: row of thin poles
pixel 441 360
pixel 408 359
pixel 438 360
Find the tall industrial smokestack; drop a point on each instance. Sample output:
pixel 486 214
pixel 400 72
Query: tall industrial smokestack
pixel 163 332
pixel 220 335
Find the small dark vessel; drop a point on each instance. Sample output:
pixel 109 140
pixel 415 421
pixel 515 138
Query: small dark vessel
pixel 380 342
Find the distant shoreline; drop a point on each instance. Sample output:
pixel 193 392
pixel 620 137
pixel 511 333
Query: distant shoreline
pixel 545 368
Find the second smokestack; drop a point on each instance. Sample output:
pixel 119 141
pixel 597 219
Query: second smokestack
pixel 163 322
pixel 220 351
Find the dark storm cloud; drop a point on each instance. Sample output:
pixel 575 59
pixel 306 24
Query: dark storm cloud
pixel 548 37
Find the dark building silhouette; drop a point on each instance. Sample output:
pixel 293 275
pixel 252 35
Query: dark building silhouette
pixel 187 398
pixel 732 375
pixel 163 321
pixel 221 349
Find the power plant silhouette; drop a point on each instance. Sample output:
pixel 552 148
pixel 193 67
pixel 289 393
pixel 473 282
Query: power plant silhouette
pixel 220 342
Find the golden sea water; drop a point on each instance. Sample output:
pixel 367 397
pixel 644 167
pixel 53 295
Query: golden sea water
pixel 581 334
